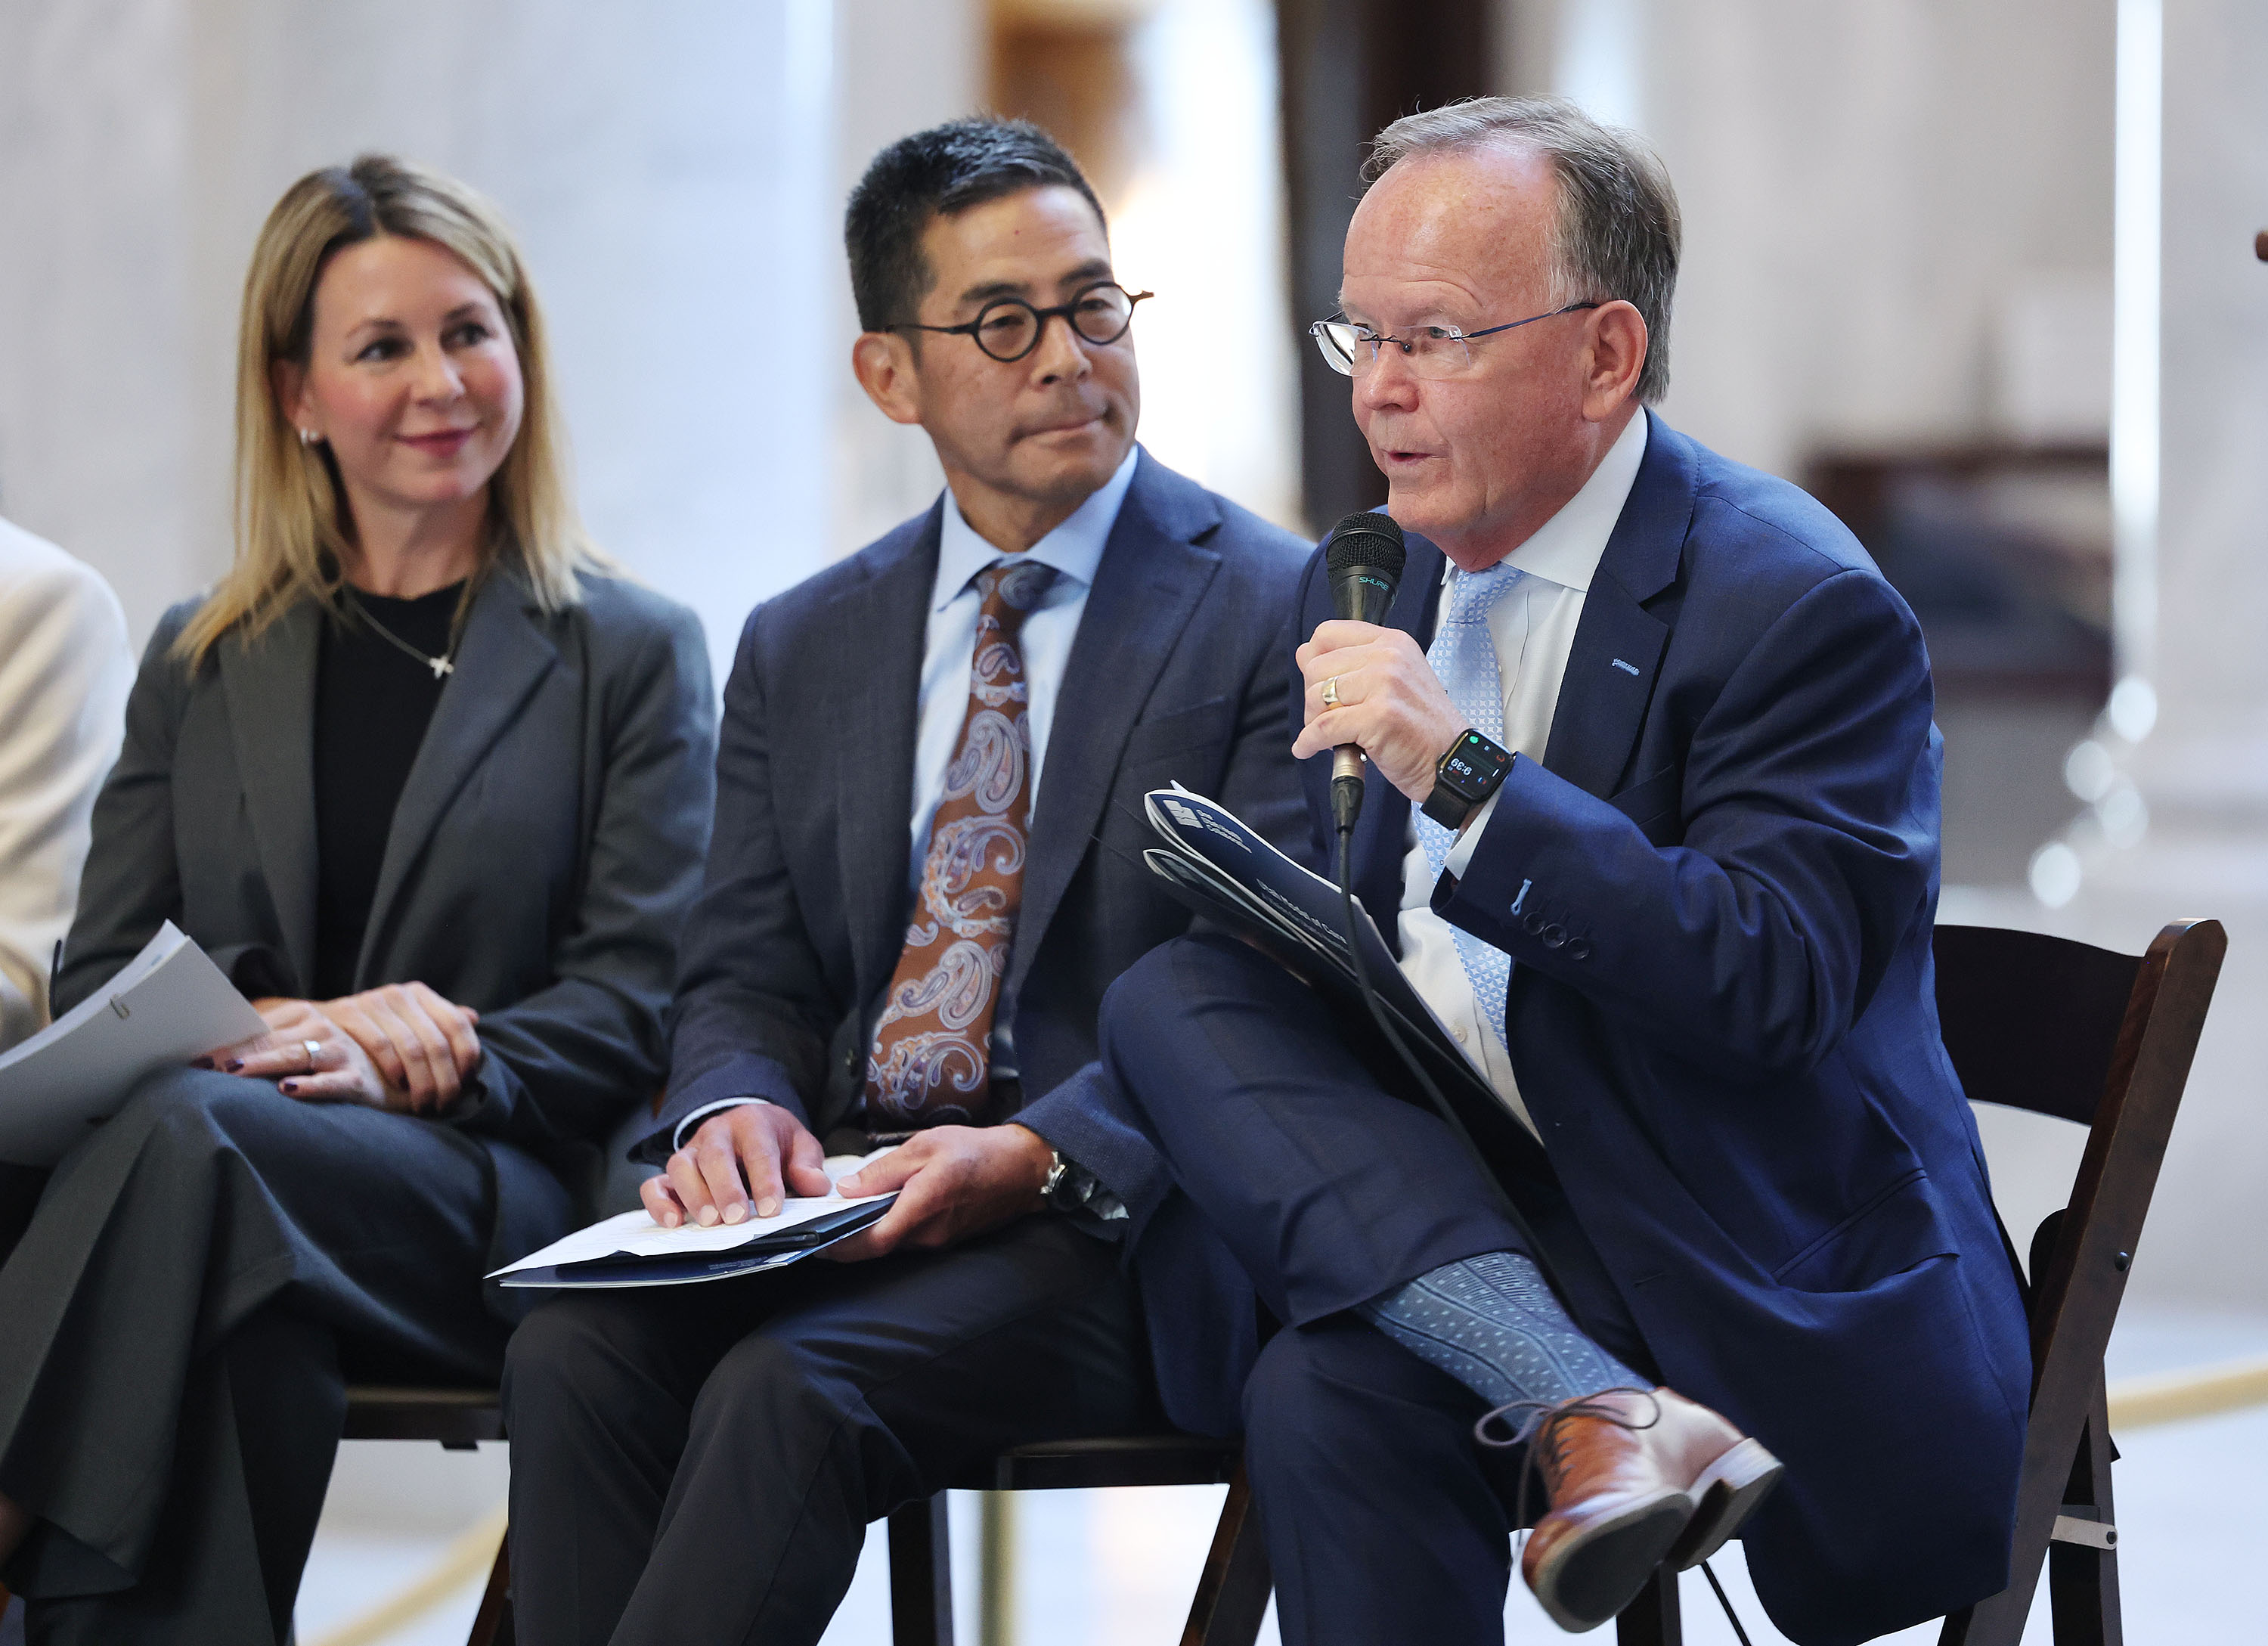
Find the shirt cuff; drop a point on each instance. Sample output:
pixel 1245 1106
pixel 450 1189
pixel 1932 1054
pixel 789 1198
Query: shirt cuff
pixel 691 1124
pixel 1088 1195
pixel 1460 855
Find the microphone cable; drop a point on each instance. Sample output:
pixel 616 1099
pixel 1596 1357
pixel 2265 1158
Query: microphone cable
pixel 1731 1616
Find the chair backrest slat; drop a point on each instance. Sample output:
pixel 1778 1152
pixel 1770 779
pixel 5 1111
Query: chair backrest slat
pixel 2059 1027
pixel 2106 1040
pixel 2077 1294
pixel 2030 1021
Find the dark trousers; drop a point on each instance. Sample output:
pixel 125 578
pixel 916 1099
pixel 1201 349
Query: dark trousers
pixel 178 1322
pixel 1384 1520
pixel 699 1464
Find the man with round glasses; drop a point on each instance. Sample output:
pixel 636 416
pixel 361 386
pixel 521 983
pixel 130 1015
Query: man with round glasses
pixel 1008 328
pixel 926 870
pixel 1652 824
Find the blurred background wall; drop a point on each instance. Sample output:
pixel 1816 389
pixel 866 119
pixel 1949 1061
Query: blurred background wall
pixel 1898 290
pixel 670 169
pixel 1899 228
pixel 1898 280
pixel 1913 230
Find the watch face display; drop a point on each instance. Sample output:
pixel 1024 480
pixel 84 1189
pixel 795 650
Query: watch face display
pixel 1474 766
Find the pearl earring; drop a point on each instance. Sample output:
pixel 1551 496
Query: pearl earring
pixel 306 437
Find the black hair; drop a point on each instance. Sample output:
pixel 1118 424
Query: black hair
pixel 940 171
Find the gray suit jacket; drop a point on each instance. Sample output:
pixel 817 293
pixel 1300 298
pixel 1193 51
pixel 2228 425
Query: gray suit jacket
pixel 1175 675
pixel 545 846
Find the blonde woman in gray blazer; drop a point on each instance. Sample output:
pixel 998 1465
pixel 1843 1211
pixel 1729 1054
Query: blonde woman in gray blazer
pixel 433 784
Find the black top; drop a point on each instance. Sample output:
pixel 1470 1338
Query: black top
pixel 372 704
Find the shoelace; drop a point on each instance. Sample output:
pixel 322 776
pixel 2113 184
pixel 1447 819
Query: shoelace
pixel 1549 1415
pixel 1543 1421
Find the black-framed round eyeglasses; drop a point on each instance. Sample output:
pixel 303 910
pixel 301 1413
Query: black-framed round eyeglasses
pixel 1008 328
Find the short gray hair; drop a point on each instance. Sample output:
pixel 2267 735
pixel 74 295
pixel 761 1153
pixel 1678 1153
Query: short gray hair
pixel 1617 231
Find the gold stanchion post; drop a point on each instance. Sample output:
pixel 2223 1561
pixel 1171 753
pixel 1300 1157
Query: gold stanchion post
pixel 997 1582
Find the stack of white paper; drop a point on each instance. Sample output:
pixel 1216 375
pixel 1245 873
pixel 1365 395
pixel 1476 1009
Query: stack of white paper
pixel 633 1250
pixel 168 1004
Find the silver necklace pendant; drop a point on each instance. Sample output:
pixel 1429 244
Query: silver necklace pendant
pixel 442 665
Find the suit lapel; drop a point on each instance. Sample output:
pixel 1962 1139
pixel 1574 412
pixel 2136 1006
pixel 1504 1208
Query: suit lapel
pixel 1604 696
pixel 875 661
pixel 1618 644
pixel 1151 578
pixel 502 657
pixel 269 686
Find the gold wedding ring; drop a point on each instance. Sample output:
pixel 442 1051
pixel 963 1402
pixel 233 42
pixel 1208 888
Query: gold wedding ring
pixel 313 1049
pixel 1331 692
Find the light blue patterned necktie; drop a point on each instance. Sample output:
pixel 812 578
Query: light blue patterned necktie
pixel 1464 655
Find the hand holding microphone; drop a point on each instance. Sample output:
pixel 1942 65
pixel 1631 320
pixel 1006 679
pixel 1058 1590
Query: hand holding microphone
pixel 1370 691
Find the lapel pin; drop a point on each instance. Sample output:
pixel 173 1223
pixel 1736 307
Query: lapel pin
pixel 1628 669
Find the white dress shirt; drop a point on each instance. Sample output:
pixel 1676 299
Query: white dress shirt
pixel 65 668
pixel 1533 627
pixel 949 652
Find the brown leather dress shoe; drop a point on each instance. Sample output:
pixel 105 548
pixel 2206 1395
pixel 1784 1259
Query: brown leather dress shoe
pixel 1632 1478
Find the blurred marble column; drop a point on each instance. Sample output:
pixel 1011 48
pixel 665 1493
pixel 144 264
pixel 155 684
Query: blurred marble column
pixel 2202 771
pixel 670 169
pixel 98 407
pixel 902 66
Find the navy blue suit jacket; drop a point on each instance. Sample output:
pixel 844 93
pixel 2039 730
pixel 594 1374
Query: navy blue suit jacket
pixel 1718 889
pixel 1175 676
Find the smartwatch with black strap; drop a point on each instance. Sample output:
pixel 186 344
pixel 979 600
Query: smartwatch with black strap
pixel 1472 770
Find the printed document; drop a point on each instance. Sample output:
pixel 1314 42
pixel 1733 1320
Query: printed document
pixel 168 1005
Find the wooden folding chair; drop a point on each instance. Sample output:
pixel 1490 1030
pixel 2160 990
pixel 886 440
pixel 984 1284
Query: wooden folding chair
pixel 2033 1023
pixel 459 1419
pixel 1232 1595
pixel 1233 1590
pixel 2105 1040
pixel 2058 1028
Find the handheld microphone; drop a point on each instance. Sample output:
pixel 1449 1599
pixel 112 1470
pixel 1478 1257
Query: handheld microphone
pixel 1363 557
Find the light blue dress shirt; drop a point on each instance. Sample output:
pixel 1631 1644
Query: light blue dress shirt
pixel 1533 629
pixel 949 652
pixel 949 646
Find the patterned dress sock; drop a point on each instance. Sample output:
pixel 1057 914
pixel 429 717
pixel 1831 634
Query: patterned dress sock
pixel 1491 1322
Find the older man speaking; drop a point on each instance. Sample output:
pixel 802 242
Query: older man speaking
pixel 1676 902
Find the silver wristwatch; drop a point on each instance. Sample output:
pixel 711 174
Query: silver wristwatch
pixel 1064 1191
pixel 1075 1191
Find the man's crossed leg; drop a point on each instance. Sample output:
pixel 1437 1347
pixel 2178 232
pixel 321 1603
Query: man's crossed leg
pixel 1414 1313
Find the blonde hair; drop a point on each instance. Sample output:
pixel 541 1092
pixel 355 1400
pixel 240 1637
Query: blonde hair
pixel 291 525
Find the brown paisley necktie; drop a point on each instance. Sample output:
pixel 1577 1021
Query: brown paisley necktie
pixel 930 1062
